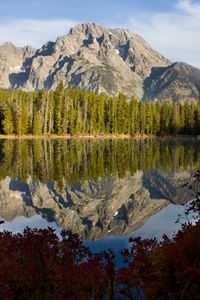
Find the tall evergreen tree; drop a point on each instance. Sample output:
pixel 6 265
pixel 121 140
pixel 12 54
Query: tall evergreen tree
pixel 58 100
pixel 36 124
pixel 8 126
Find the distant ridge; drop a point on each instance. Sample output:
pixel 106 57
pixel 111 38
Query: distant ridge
pixel 177 82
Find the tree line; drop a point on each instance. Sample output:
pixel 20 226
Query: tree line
pixel 74 111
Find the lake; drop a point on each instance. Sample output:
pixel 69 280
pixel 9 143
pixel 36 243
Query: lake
pixel 105 190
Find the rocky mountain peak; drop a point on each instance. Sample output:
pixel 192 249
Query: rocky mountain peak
pixel 87 28
pixel 95 58
pixel 92 57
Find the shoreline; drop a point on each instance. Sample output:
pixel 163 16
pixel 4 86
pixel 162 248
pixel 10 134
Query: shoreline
pixel 75 136
pixel 87 136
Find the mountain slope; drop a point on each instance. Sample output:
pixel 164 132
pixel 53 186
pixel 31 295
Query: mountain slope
pixel 177 82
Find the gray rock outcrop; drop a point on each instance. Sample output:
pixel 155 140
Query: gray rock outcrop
pixel 13 64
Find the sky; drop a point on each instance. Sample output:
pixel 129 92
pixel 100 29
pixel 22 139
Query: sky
pixel 171 27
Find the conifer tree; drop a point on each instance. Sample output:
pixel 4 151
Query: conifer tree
pixel 175 119
pixel 24 119
pixel 8 126
pixel 189 118
pixel 165 117
pixel 197 119
pixel 36 124
pixel 58 100
pixel 156 117
pixel 142 117
pixel 133 112
pixel 149 118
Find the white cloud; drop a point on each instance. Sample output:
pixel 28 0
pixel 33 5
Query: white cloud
pixel 175 34
pixel 33 32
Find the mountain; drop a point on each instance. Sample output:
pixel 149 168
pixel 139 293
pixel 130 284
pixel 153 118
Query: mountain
pixel 91 56
pixel 177 82
pixel 101 59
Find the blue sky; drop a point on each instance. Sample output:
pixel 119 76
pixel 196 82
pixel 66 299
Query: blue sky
pixel 169 26
pixel 83 10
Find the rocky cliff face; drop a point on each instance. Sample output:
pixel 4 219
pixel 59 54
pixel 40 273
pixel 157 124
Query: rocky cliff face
pixel 90 55
pixel 94 209
pixel 13 63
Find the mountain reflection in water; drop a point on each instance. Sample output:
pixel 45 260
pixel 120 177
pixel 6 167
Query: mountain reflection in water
pixel 97 188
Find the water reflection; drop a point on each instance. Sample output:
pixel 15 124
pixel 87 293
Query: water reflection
pixel 79 160
pixel 95 187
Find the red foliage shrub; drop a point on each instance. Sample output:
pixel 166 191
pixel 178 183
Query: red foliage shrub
pixel 39 265
pixel 169 269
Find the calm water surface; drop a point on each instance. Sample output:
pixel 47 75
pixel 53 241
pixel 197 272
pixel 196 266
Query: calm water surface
pixel 106 190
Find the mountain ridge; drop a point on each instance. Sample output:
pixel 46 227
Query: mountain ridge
pixel 93 57
pixel 177 82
